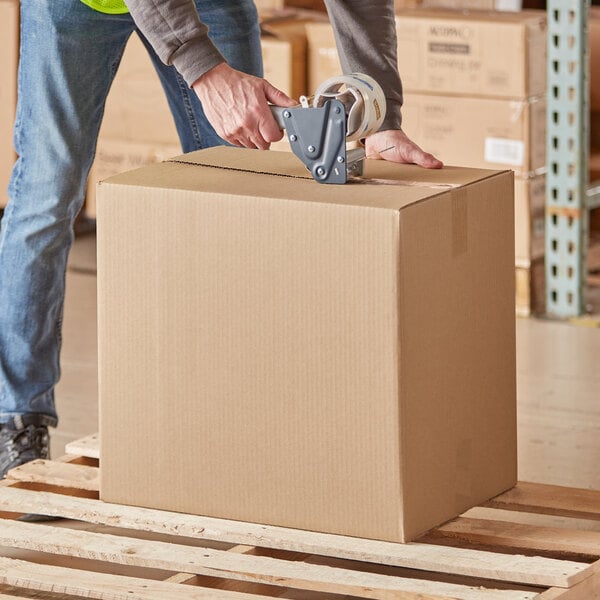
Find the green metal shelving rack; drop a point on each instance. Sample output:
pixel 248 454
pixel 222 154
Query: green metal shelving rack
pixel 568 198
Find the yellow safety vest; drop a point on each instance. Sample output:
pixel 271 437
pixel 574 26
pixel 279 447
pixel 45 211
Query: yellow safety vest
pixel 111 7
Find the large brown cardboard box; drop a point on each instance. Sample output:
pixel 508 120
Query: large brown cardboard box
pixel 530 219
pixel 493 54
pixel 9 53
pixel 479 132
pixel 330 358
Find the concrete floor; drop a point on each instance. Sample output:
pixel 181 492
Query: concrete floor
pixel 558 385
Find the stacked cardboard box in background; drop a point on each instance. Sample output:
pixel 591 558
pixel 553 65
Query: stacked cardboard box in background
pixel 9 51
pixel 475 95
pixel 284 49
pixel 509 5
pixel 268 7
pixel 594 41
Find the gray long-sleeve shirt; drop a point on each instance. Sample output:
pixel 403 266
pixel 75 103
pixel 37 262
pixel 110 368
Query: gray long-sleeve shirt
pixel 364 29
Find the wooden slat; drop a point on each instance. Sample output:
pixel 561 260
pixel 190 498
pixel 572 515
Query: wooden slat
pixel 22 594
pixel 538 519
pixel 519 536
pixel 88 447
pixel 486 565
pixel 58 474
pixel 550 499
pixel 586 590
pixel 102 586
pixel 181 577
pixel 219 563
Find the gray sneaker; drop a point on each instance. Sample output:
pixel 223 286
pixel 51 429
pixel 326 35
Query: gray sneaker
pixel 23 439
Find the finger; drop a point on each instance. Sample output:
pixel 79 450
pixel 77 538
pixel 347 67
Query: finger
pixel 415 155
pixel 268 129
pixel 258 142
pixel 252 142
pixel 426 160
pixel 276 96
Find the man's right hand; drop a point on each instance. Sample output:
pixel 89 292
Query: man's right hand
pixel 237 106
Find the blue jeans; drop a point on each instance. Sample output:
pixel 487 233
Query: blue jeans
pixel 69 56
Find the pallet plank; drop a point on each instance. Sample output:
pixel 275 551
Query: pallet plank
pixel 519 536
pixel 60 474
pixel 88 447
pixel 102 586
pixel 537 519
pixel 587 590
pixel 550 499
pixel 242 567
pixel 485 565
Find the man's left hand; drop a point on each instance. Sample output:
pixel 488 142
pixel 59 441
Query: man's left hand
pixel 395 146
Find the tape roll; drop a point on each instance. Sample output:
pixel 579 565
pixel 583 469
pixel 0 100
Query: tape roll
pixel 363 98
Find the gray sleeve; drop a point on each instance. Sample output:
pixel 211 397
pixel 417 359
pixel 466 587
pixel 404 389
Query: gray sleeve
pixel 365 33
pixel 176 33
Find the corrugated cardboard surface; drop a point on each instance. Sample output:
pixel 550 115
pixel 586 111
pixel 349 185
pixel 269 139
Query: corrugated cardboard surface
pixel 9 52
pixel 479 132
pixel 530 219
pixel 333 358
pixel 493 54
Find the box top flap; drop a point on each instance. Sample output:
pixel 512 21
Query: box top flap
pixel 281 175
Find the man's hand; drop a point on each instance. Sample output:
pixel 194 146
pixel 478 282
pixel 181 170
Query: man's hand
pixel 236 105
pixel 395 146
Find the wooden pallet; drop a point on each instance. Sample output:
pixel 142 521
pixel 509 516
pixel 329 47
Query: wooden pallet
pixel 533 542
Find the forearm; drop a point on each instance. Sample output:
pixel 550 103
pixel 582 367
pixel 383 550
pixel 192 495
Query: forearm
pixel 365 32
pixel 177 34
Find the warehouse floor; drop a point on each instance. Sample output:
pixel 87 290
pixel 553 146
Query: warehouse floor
pixel 558 385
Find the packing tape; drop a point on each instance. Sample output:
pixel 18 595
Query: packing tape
pixel 460 242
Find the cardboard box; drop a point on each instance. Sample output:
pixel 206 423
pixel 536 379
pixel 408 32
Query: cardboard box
pixel 323 58
pixel 491 54
pixel 136 108
pixel 530 219
pixel 284 65
pixel 9 55
pixel 479 132
pixel 284 50
pixel 531 289
pixel 594 43
pixel 402 4
pixel 115 156
pixel 510 5
pixel 318 5
pixel 594 167
pixel 267 6
pixel 330 358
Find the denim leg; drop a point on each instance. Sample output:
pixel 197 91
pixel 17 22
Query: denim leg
pixel 234 29
pixel 69 54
